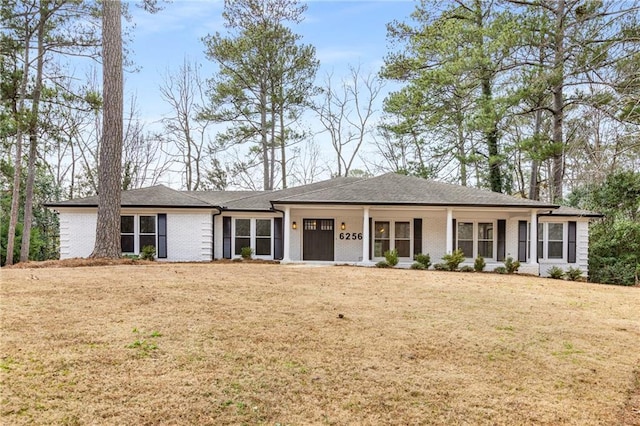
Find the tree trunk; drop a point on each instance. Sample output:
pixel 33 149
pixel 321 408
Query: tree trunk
pixel 283 153
pixel 557 169
pixel 33 137
pixel 110 167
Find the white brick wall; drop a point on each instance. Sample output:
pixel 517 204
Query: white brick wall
pixel 582 247
pixel 77 233
pixel 188 236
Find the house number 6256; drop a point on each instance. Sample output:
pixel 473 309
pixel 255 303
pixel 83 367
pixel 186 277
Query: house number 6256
pixel 351 235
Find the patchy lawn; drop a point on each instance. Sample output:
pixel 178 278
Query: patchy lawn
pixel 227 343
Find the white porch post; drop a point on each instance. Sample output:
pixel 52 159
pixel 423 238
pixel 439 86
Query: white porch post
pixel 365 236
pixel 449 231
pixel 533 239
pixel 286 238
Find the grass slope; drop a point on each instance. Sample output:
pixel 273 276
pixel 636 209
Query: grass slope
pixel 267 344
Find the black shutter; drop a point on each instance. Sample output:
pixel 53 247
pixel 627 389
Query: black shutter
pixel 162 236
pixel 226 237
pixel 417 236
pixel 454 233
pixel 278 250
pixel 371 238
pixel 571 247
pixel 502 231
pixel 522 240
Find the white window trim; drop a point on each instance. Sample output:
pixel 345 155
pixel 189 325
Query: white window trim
pixel 476 240
pixel 544 256
pixel 136 231
pixel 392 237
pixel 252 237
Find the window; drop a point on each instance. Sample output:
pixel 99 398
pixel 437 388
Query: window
pixel 381 239
pixel 465 238
pixel 402 240
pixel 388 235
pixel 263 237
pixel 485 240
pixel 257 234
pixel 477 239
pixel 127 234
pixel 136 232
pixel 147 231
pixel 243 235
pixel 551 240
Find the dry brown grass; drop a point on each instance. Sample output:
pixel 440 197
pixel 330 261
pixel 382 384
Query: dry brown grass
pixel 226 343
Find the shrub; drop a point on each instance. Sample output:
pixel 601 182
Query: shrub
pixel 453 260
pixel 391 256
pixel 573 274
pixel 556 273
pixel 467 268
pixel 418 265
pixel 148 253
pixel 246 252
pixel 440 267
pixel 500 270
pixel 479 264
pixel 383 264
pixel 423 259
pixel 511 266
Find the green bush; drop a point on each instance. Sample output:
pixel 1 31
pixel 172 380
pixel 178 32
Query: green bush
pixel 148 253
pixel 423 259
pixel 573 274
pixel 440 267
pixel 511 266
pixel 246 252
pixel 453 260
pixel 417 265
pixel 391 256
pixel 556 273
pixel 500 270
pixel 614 252
pixel 467 268
pixel 383 264
pixel 479 264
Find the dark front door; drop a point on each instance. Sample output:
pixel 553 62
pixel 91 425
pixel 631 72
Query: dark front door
pixel 317 239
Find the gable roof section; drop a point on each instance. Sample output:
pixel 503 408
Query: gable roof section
pixel 154 196
pixel 395 189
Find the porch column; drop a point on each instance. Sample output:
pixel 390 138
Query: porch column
pixel 449 231
pixel 286 238
pixel 365 236
pixel 533 239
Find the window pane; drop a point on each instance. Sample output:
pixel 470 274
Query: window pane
pixel 126 224
pixel 126 243
pixel 485 249
pixel 309 225
pixel 263 227
pixel 147 240
pixel 555 250
pixel 382 230
pixel 263 246
pixel 485 231
pixel 147 225
pixel 243 228
pixel 466 247
pixel 242 242
pixel 465 231
pixel 379 247
pixel 326 225
pixel 540 231
pixel 403 247
pixel 555 232
pixel 403 230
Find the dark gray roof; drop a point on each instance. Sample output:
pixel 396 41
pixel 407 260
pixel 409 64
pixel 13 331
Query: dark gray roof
pixel 154 196
pixel 572 211
pixel 395 189
pixel 387 189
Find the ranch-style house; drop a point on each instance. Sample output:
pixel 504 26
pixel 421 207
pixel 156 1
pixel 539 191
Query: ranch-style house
pixel 344 220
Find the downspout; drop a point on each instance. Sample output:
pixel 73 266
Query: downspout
pixel 213 232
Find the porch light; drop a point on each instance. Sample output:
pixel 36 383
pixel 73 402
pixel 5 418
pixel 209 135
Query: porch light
pixel 294 225
pixel 343 226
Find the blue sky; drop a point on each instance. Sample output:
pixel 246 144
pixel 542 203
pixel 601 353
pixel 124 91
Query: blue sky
pixel 343 32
